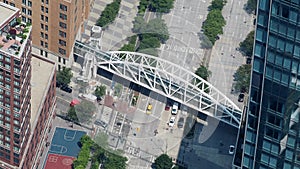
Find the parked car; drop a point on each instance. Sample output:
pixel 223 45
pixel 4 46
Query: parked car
pixel 172 121
pixel 66 89
pixel 174 109
pixel 149 108
pixel 167 107
pixel 180 122
pixel 100 123
pixel 241 97
pixel 231 149
pixel 248 60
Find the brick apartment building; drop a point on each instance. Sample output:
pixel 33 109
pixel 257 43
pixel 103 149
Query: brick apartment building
pixel 55 25
pixel 27 95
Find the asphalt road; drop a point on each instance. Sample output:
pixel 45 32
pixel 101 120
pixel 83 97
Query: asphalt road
pixel 184 22
pixel 225 59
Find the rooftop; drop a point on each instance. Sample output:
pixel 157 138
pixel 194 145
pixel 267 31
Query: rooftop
pixel 42 72
pixel 11 41
pixel 6 11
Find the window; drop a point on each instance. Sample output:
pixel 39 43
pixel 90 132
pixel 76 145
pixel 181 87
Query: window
pixel 62 34
pixel 42 35
pixel 61 51
pixel 46 45
pixel 42 17
pixel 42 43
pixel 63 7
pixel 62 42
pixel 23 18
pixel 41 52
pixel 46 18
pixel 29 12
pixel 42 8
pixel 62 25
pixel 46 36
pixel 46 10
pixel 46 27
pixel 29 3
pixel 24 2
pixel 29 20
pixel 42 26
pixel 24 10
pixel 62 16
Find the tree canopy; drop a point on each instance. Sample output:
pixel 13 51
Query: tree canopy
pixel 246 47
pixel 85 111
pixel 156 28
pixel 250 6
pixel 109 14
pixel 100 91
pixel 64 76
pixel 203 72
pixel 213 25
pixel 161 6
pixel 217 4
pixel 242 78
pixel 72 114
pixel 138 24
pixel 163 162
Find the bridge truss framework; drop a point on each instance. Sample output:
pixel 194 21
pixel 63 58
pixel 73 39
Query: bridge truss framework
pixel 167 79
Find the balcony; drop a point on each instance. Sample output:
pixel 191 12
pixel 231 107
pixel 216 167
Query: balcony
pixel 11 41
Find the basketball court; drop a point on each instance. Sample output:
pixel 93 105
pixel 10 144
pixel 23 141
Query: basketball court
pixel 64 148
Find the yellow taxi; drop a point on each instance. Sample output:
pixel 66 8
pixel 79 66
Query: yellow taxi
pixel 149 108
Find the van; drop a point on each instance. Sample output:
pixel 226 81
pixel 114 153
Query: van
pixel 174 108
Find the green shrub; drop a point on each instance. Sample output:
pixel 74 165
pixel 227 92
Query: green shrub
pixel 109 14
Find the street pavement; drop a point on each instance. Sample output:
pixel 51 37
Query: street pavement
pixel 184 22
pixel 225 59
pixel 114 36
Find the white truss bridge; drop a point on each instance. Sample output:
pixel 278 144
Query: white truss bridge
pixel 165 78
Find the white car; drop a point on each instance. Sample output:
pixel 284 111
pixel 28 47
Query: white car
pixel 231 149
pixel 174 108
pixel 172 121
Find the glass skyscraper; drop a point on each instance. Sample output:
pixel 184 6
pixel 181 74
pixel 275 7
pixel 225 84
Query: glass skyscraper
pixel 270 136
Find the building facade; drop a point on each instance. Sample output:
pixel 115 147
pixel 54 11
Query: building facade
pixel 55 25
pixel 24 120
pixel 269 136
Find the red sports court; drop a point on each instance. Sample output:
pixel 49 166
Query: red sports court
pixel 55 161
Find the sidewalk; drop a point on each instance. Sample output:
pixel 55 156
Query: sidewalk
pixel 116 33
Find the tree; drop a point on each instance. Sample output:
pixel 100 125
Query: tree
pixel 115 162
pixel 213 25
pixel 85 111
pixel 138 24
pixel 217 4
pixel 250 6
pixel 109 14
pixel 161 6
pixel 72 114
pixel 148 42
pixel 100 91
pixel 203 72
pixel 64 76
pixel 163 162
pixel 118 89
pixel 101 139
pixel 242 78
pixel 246 47
pixel 156 28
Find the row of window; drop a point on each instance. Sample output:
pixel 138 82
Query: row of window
pixel 26 2
pixel 44 9
pixel 44 18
